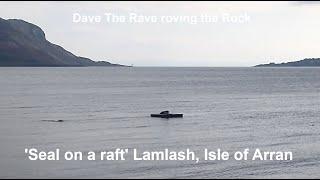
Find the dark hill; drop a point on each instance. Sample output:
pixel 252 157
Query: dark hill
pixel 309 62
pixel 25 44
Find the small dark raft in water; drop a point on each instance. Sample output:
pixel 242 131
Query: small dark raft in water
pixel 166 114
pixel 60 120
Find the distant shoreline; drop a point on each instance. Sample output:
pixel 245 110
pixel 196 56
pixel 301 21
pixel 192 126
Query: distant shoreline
pixel 253 67
pixel 308 62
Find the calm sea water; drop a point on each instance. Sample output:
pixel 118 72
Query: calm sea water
pixel 274 109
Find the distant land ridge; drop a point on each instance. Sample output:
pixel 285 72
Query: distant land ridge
pixel 25 44
pixel 308 62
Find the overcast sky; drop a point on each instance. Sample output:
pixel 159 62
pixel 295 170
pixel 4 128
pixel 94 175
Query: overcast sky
pixel 274 31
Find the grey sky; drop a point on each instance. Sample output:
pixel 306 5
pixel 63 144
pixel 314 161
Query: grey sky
pixel 277 31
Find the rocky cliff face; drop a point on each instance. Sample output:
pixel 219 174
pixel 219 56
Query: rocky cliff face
pixel 25 44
